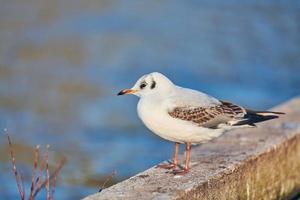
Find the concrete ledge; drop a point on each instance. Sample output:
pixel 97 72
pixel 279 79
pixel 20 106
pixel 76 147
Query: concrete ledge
pixel 252 163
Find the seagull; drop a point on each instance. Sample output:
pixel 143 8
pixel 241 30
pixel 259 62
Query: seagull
pixel 183 115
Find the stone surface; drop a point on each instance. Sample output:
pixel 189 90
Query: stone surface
pixel 250 163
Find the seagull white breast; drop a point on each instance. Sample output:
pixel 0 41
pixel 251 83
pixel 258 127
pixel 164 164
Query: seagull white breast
pixel 163 114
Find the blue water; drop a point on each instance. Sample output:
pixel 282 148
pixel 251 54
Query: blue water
pixel 63 62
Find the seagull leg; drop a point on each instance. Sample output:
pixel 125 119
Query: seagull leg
pixel 186 168
pixel 175 160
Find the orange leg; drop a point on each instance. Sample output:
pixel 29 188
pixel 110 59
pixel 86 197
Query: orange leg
pixel 175 160
pixel 186 168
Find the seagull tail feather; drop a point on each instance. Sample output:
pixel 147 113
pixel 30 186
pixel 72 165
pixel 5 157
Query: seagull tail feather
pixel 253 116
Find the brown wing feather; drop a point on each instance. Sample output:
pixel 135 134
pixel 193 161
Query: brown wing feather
pixel 209 117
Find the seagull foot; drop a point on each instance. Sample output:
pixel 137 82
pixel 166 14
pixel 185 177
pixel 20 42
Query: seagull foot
pixel 181 171
pixel 167 166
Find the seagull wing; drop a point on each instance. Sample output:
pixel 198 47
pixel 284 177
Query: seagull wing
pixel 209 116
pixel 206 111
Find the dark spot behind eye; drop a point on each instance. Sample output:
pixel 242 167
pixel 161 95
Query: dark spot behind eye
pixel 143 85
pixel 153 85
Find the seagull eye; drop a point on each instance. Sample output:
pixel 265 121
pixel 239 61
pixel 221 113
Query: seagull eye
pixel 143 85
pixel 153 85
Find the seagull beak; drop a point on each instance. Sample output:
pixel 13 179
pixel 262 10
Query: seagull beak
pixel 127 91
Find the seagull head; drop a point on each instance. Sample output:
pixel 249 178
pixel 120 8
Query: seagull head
pixel 149 84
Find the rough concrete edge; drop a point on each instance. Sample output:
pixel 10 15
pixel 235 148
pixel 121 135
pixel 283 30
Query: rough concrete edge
pixel 214 187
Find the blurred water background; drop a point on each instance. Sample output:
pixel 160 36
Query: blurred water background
pixel 63 61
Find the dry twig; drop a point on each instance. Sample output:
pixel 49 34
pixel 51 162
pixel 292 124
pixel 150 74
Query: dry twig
pixel 55 174
pixel 40 182
pixel 13 160
pixel 47 172
pixel 109 178
pixel 35 164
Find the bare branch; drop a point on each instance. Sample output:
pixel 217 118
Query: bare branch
pixel 23 186
pixel 47 172
pixel 56 172
pixel 40 178
pixel 55 175
pixel 109 178
pixel 36 160
pixel 13 160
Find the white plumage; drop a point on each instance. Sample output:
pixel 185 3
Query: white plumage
pixel 154 105
pixel 188 116
pixel 153 111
